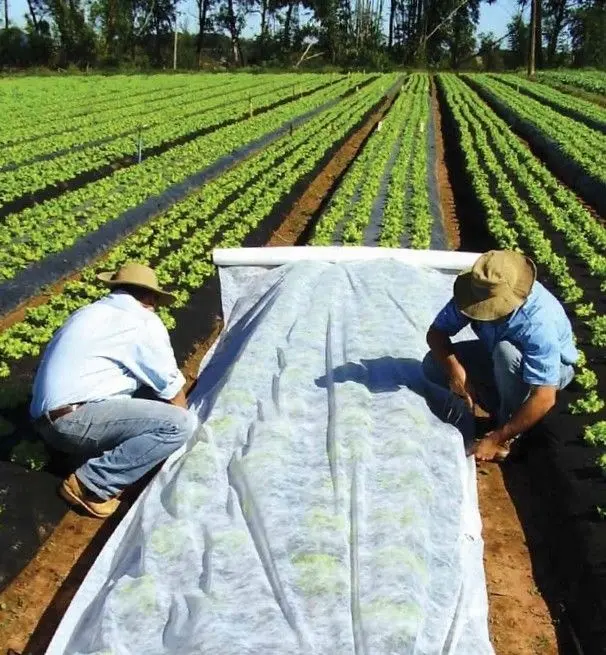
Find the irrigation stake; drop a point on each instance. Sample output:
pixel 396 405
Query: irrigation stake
pixel 140 144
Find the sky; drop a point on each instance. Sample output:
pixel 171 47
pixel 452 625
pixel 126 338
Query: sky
pixel 493 18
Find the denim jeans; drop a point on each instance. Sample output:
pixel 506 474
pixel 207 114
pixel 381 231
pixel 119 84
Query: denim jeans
pixel 122 439
pixel 497 379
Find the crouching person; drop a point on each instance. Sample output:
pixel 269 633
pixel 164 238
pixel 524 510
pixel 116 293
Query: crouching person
pixel 82 397
pixel 522 357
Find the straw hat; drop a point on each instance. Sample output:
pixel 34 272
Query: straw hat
pixel 499 282
pixel 136 275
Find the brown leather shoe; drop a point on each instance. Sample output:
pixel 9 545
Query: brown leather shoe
pixel 76 494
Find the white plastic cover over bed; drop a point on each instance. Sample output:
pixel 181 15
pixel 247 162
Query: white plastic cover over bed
pixel 322 507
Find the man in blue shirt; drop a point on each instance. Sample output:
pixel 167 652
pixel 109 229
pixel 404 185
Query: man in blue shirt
pixel 82 398
pixel 523 355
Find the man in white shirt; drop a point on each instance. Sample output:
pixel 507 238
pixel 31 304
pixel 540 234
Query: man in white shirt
pixel 82 397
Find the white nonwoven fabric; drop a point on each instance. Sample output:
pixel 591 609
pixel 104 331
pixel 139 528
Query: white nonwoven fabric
pixel 323 507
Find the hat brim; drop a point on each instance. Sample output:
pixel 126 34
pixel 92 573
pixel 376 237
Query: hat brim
pixel 491 308
pixel 164 297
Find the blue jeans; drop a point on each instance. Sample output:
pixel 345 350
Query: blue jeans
pixel 122 439
pixel 497 379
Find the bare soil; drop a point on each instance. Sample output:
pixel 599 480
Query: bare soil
pixel 519 621
pixel 447 201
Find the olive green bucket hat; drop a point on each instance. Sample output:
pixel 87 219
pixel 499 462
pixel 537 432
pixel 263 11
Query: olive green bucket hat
pixel 136 275
pixel 498 283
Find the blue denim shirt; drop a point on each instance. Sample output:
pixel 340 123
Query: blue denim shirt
pixel 539 328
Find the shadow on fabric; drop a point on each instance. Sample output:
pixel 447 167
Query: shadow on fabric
pixel 390 374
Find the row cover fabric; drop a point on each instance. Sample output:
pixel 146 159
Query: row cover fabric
pixel 321 507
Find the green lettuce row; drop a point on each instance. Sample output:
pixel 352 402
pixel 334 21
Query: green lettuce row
pixel 40 174
pixel 592 81
pixel 54 225
pixel 46 105
pixel 504 234
pixel 186 268
pixel 583 233
pixel 585 146
pixel 146 112
pixel 341 200
pixel 564 100
pixel 401 115
pixel 420 212
pixel 410 173
pixel 518 208
pixel 197 217
pixel 575 237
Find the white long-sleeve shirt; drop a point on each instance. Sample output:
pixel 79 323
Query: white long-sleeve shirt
pixel 105 350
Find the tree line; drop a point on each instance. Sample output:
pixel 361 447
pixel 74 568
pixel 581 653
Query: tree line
pixel 371 34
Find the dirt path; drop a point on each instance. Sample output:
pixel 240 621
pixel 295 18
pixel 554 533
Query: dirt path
pixel 445 192
pixel 519 620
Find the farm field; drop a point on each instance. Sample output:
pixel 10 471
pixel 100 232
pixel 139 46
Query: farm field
pixel 96 171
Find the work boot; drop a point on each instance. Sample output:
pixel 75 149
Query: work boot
pixel 76 494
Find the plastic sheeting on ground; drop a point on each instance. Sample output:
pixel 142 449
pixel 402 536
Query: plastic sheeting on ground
pixel 323 507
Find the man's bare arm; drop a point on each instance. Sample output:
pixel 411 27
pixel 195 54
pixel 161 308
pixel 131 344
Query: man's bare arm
pixel 540 401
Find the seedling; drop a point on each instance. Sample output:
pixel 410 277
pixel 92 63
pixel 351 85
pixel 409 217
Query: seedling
pixel 601 462
pixel 595 435
pixel 588 404
pixel 587 378
pixel 584 310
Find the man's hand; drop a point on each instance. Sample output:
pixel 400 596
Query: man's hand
pixel 442 349
pixel 491 447
pixel 460 385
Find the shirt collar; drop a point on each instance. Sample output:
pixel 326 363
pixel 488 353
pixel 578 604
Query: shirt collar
pixel 123 300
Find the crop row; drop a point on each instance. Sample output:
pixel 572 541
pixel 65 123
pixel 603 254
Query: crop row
pixel 500 179
pixel 179 242
pixel 38 140
pixel 554 203
pixel 33 101
pixel 559 101
pixel 407 212
pixel 592 81
pixel 580 143
pixel 208 114
pixel 386 160
pixel 54 225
